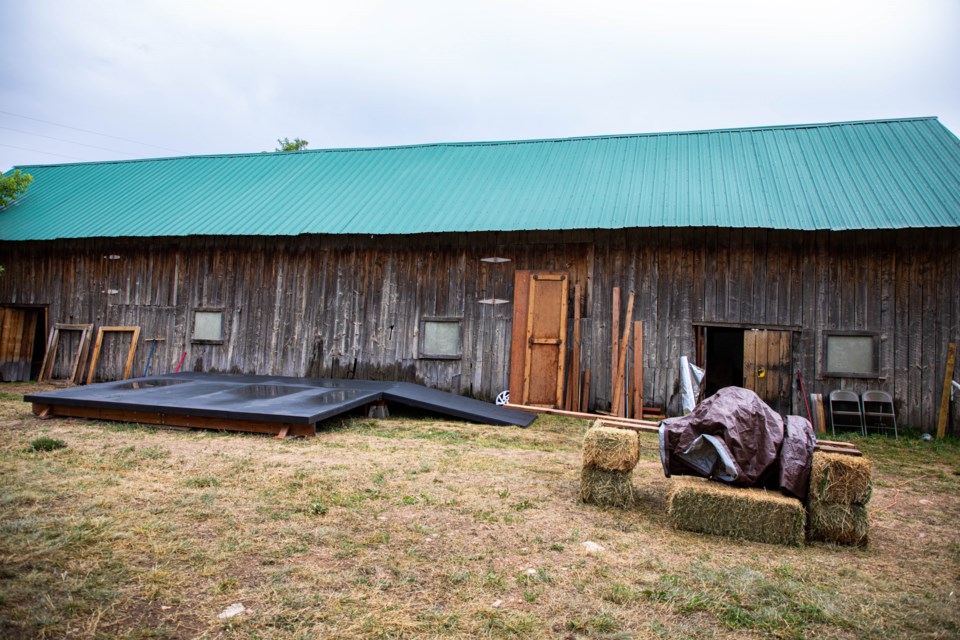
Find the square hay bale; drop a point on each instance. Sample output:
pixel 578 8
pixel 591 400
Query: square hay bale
pixel 702 506
pixel 606 488
pixel 840 479
pixel 847 524
pixel 611 449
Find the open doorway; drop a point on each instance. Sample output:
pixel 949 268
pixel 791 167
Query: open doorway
pixel 725 358
pixel 756 359
pixel 22 342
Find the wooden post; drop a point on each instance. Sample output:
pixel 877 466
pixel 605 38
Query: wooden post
pixel 618 408
pixel 638 369
pixel 945 396
pixel 819 417
pixel 615 343
pixel 573 386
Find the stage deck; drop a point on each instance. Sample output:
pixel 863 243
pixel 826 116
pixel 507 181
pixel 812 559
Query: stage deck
pixel 266 404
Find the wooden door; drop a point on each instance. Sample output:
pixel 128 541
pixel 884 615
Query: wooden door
pixel 538 349
pixel 18 328
pixel 767 358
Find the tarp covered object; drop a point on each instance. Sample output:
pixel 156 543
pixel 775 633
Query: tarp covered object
pixel 735 437
pixel 796 456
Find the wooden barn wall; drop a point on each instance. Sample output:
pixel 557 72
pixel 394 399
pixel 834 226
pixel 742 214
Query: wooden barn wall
pixel 351 306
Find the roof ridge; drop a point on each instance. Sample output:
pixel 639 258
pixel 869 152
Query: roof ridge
pixel 484 143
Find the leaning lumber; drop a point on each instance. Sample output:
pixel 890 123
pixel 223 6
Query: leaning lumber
pixel 576 414
pixel 618 408
pixel 704 506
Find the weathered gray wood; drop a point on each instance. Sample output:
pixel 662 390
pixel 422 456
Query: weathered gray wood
pixel 351 306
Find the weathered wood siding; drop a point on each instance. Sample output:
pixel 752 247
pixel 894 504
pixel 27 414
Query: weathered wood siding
pixel 351 306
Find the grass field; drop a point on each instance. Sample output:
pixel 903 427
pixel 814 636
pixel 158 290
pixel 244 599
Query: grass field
pixel 413 528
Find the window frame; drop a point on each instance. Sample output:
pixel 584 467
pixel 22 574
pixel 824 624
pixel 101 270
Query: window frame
pixel 223 325
pixel 832 333
pixel 421 350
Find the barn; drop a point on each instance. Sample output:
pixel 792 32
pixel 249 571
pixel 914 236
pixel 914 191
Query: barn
pixel 828 250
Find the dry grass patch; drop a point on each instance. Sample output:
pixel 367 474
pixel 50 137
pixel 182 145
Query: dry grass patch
pixel 414 528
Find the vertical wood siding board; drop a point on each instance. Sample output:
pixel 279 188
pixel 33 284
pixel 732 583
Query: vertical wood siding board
pixel 914 338
pixel 708 272
pixel 789 304
pixel 931 352
pixel 818 277
pixel 947 282
pixel 687 277
pixel 747 251
pixel 695 252
pixel 885 318
pixel 954 331
pixel 665 318
pixel 778 276
pixel 735 282
pixel 722 275
pixel 899 339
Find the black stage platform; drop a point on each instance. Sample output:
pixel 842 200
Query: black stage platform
pixel 270 404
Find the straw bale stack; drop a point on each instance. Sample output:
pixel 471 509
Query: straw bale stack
pixel 703 506
pixel 609 456
pixel 840 488
pixel 606 488
pixel 611 449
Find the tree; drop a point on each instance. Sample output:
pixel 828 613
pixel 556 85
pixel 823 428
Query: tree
pixel 296 144
pixel 12 186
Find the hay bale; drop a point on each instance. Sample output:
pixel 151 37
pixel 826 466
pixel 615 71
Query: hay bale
pixel 847 524
pixel 702 506
pixel 606 488
pixel 611 449
pixel 840 479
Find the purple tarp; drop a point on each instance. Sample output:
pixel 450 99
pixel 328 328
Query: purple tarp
pixel 734 437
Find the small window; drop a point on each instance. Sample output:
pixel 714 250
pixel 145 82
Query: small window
pixel 851 354
pixel 440 338
pixel 208 326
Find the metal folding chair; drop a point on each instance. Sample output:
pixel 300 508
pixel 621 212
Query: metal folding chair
pixel 845 411
pixel 878 412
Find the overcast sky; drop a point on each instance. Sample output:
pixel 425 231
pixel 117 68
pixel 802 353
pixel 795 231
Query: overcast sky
pixel 203 77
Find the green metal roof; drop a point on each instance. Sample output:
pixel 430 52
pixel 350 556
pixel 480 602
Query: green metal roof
pixel 883 174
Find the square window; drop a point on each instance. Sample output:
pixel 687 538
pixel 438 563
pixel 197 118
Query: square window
pixel 208 326
pixel 851 355
pixel 440 338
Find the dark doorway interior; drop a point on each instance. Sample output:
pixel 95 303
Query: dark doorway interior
pixel 724 359
pixel 22 342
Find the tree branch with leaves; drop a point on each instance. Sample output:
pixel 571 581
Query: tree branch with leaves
pixel 13 186
pixel 297 144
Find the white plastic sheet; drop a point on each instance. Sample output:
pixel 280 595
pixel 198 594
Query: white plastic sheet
pixel 690 378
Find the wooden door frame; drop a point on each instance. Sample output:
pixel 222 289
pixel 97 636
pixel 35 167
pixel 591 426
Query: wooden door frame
pixel 700 337
pixel 44 318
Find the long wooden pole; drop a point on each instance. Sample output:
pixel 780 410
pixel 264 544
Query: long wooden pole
pixel 573 385
pixel 638 369
pixel 614 342
pixel 945 396
pixel 618 408
pixel 577 414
